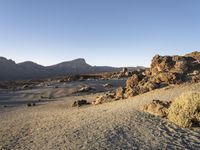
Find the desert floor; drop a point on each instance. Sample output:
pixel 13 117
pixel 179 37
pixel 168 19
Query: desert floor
pixel 115 125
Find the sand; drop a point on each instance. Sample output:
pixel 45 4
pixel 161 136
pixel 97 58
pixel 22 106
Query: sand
pixel 114 125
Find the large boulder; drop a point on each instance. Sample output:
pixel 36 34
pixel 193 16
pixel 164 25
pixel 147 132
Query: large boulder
pixel 161 64
pixel 132 81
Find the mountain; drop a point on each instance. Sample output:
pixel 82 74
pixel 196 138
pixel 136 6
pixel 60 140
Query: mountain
pixel 30 70
pixel 76 66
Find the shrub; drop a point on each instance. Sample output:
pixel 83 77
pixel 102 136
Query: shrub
pixel 185 110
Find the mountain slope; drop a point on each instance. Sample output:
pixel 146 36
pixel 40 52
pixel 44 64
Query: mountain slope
pixel 30 70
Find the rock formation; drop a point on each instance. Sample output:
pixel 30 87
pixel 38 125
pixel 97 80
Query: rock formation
pixel 164 71
pixel 157 108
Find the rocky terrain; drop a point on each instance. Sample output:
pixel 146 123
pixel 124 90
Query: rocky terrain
pixel 114 110
pixel 115 125
pixel 164 71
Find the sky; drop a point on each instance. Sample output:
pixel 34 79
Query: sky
pixel 104 32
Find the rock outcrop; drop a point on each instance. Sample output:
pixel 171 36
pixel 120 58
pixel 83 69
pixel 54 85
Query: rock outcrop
pixel 108 97
pixel 195 55
pixel 164 71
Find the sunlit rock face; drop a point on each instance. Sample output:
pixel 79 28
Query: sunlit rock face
pixel 163 71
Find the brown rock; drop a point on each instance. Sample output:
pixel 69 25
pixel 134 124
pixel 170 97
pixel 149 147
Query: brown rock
pixel 104 99
pixel 156 107
pixel 130 92
pixel 181 66
pixel 161 64
pixel 164 71
pixel 120 93
pixel 195 55
pixel 168 77
pixel 79 103
pixel 133 80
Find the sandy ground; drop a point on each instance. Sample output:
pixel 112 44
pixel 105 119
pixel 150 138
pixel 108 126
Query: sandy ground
pixel 22 97
pixel 115 125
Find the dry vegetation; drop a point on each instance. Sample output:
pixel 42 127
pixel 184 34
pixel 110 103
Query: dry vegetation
pixel 185 110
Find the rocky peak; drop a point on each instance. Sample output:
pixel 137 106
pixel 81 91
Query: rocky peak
pixel 77 63
pixel 3 60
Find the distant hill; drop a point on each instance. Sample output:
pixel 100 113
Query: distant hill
pixel 30 70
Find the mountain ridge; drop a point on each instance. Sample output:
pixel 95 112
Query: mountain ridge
pixel 10 70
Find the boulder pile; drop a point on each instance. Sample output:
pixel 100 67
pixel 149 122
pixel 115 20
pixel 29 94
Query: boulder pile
pixel 164 71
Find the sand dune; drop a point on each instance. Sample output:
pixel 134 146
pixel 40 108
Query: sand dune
pixel 115 125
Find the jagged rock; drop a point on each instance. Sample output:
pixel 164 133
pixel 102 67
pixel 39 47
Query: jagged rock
pixel 195 55
pixel 109 97
pixel 164 71
pixel 161 63
pixel 195 78
pixel 181 66
pixel 134 80
pixel 167 77
pixel 150 86
pixel 79 103
pixel 130 92
pixel 99 100
pixel 157 108
pixel 147 72
pixel 178 64
pixel 120 93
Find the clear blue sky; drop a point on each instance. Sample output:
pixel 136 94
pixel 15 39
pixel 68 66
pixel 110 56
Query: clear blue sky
pixel 104 32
